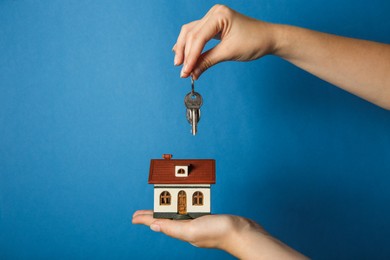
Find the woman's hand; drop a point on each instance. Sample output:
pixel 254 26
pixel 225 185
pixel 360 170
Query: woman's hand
pixel 241 39
pixel 236 235
pixel 357 66
pixel 211 231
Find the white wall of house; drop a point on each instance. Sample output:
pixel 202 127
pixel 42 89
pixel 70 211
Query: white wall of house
pixel 190 189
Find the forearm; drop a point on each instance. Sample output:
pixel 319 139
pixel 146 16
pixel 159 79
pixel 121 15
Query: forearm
pixel 357 66
pixel 253 242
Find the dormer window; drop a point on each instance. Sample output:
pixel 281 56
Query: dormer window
pixel 181 171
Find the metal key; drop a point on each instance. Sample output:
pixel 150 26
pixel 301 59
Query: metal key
pixel 193 101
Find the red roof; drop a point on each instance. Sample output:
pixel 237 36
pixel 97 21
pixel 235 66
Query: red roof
pixel 200 171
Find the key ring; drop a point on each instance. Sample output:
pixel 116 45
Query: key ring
pixel 192 85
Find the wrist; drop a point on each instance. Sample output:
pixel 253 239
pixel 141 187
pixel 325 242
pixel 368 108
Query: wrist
pixel 244 239
pixel 271 38
pixel 248 240
pixel 290 42
pixel 279 39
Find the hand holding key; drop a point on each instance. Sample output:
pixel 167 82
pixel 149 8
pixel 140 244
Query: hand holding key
pixel 241 39
pixel 193 101
pixel 337 60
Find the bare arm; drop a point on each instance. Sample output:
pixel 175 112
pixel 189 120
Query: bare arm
pixel 241 237
pixel 357 66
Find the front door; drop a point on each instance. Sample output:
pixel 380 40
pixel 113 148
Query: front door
pixel 182 202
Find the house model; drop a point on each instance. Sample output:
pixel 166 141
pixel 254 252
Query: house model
pixel 181 187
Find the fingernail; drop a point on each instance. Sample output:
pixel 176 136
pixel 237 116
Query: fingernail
pixel 183 70
pixel 155 227
pixel 175 60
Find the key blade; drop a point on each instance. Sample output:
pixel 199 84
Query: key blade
pixel 194 121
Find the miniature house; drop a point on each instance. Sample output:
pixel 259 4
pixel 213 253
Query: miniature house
pixel 181 187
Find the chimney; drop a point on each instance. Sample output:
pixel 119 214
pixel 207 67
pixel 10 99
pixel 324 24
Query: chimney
pixel 167 156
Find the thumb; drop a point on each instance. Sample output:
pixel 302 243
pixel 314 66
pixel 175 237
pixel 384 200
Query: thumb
pixel 173 228
pixel 208 59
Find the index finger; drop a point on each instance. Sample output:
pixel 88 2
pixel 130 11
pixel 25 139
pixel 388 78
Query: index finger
pixel 143 217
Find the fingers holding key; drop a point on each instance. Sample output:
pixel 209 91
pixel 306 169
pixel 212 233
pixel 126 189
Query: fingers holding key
pixel 180 44
pixel 241 38
pixel 194 36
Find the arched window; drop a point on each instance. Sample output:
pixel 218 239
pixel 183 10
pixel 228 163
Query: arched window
pixel 197 198
pixel 181 171
pixel 165 198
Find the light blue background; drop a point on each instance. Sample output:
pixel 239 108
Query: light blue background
pixel 89 94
